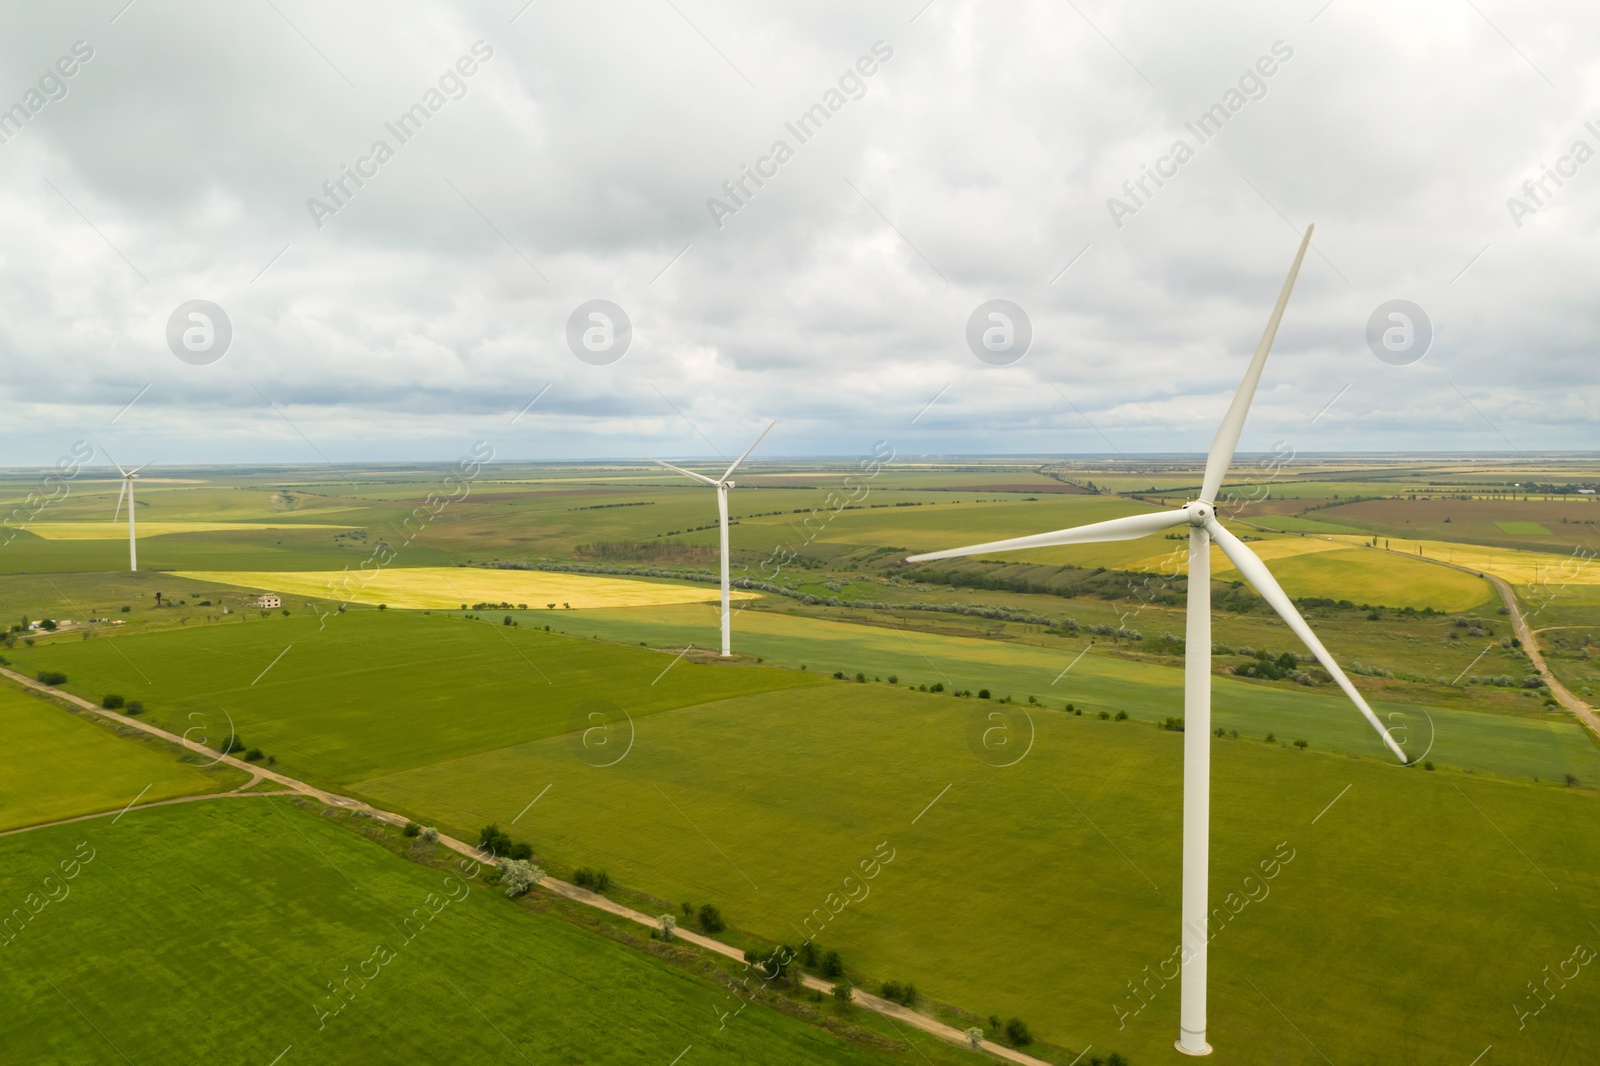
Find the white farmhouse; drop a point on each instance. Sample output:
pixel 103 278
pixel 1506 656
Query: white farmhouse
pixel 268 600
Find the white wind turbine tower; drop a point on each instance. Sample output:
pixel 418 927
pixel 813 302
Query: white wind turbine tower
pixel 722 485
pixel 128 478
pixel 1200 516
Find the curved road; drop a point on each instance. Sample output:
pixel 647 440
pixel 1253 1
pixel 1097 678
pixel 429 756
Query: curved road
pixel 893 1011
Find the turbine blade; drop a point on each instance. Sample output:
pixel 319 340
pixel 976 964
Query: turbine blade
pixel 118 512
pixel 686 473
pixel 1227 438
pixel 114 463
pixel 1129 528
pixel 748 450
pixel 1255 571
pixel 136 469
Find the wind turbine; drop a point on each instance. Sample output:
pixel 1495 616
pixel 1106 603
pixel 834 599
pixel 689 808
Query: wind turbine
pixel 1200 516
pixel 128 477
pixel 722 485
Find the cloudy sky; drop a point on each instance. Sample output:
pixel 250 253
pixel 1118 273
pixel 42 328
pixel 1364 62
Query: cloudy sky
pixel 968 152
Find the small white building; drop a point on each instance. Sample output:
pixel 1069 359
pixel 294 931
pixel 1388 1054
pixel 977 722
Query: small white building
pixel 268 600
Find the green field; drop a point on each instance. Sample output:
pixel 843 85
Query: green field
pixel 764 804
pixel 1038 889
pixel 211 932
pixel 57 763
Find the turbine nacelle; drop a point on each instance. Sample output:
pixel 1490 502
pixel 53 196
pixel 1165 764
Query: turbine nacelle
pixel 1199 512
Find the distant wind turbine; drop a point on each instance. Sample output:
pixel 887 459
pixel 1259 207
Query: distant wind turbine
pixel 722 485
pixel 128 478
pixel 1200 516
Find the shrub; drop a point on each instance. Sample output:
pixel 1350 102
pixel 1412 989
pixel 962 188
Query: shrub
pixel 1271 739
pixel 861 677
pixel 905 994
pixel 892 679
pixel 52 677
pixel 983 693
pixel 518 876
pixel 832 964
pixel 838 675
pixel 112 702
pixel 1105 715
pixel 520 850
pixel 133 707
pixel 411 829
pixel 1121 716
pixel 1017 1033
pixel 1174 724
pixel 429 834
pixel 231 745
pixel 126 608
pixel 1301 744
pixel 593 880
pixel 494 841
pixel 711 919
pixel 841 991
pixel 1572 780
pixel 937 686
pixel 254 755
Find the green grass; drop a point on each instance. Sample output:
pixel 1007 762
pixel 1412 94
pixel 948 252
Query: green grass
pixel 1004 897
pixel 209 933
pixel 1486 743
pixel 55 764
pixel 1523 528
pixel 376 691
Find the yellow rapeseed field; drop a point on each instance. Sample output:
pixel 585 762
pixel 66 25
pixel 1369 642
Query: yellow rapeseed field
pixel 448 587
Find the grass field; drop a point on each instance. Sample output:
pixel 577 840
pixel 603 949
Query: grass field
pixel 118 530
pixel 446 588
pixel 372 691
pixel 211 932
pixel 763 804
pixel 56 764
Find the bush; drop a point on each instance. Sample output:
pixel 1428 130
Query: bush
pixel 112 702
pixel 905 994
pixel 520 850
pixel 494 841
pixel 711 919
pixel 126 608
pixel 1428 765
pixel 1174 724
pixel 593 880
pixel 411 829
pixel 838 675
pixel 832 965
pixel 937 686
pixel 51 677
pixel 1301 744
pixel 841 991
pixel 860 677
pixel 1017 1033
pixel 1105 716
pixel 429 834
pixel 254 755
pixel 1121 716
pixel 983 693
pixel 133 707
pixel 231 745
pixel 1271 739
pixel 518 876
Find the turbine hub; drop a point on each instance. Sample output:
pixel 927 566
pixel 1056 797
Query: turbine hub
pixel 1199 511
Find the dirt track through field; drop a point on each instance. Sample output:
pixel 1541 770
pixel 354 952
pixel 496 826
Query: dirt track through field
pixel 888 1009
